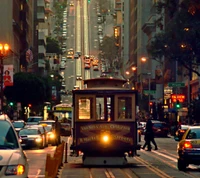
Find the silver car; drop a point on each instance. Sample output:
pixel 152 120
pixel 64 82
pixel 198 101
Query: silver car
pixel 13 160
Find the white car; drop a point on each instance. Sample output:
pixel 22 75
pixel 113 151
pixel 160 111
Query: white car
pixel 64 59
pixel 62 65
pixel 13 160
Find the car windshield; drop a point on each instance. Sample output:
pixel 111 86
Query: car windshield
pixel 48 128
pixel 28 132
pixel 8 139
pixel 159 125
pixel 18 124
pixel 34 119
pixel 193 134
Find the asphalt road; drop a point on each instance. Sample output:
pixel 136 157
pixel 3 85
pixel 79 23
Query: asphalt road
pixel 159 163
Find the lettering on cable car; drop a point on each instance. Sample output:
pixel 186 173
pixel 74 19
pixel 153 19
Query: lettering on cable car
pixel 113 137
pixel 94 127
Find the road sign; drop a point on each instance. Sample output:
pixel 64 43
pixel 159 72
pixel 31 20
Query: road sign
pixel 149 92
pixel 176 84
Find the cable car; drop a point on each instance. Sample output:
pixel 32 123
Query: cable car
pixel 104 126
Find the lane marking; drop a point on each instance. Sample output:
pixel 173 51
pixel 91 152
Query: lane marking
pixel 173 159
pixel 153 168
pixel 36 176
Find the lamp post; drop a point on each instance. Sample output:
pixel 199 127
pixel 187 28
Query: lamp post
pixel 4 48
pixel 133 69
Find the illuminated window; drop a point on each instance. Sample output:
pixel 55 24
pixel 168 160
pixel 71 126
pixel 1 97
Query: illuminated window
pixel 85 108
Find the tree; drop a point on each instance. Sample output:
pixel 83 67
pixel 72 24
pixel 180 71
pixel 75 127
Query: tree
pixel 104 5
pixel 181 39
pixel 109 50
pixel 27 88
pixel 53 46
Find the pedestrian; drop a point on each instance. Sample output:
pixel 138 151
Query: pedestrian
pixel 57 131
pixel 149 136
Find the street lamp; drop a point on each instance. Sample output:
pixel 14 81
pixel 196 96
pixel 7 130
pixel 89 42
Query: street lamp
pixel 4 48
pixel 133 69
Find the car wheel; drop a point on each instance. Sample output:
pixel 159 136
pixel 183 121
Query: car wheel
pixel 181 165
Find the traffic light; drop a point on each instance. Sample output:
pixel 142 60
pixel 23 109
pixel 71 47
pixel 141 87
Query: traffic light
pixel 11 103
pixel 48 107
pixel 150 103
pixel 89 1
pixel 178 104
pixel 29 105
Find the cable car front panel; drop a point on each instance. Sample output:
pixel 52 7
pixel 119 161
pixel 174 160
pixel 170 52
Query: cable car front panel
pixel 104 122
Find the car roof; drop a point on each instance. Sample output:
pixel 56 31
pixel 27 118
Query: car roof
pixel 194 127
pixel 19 121
pixel 35 117
pixel 47 121
pixel 4 117
pixel 156 121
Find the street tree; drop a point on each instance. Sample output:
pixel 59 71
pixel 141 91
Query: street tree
pixel 27 88
pixel 109 51
pixel 180 41
pixel 53 46
pixel 104 5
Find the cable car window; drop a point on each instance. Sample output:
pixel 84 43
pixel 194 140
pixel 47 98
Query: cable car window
pixel 104 107
pixel 124 108
pixel 85 108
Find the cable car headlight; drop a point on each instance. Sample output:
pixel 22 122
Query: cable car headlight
pixel 105 138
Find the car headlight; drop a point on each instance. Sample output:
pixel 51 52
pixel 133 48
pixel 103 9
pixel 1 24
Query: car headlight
pixel 15 170
pixel 51 135
pixel 39 139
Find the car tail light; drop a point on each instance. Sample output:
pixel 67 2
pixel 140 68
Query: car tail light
pixel 187 145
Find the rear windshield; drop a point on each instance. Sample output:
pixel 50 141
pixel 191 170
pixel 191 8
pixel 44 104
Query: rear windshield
pixel 29 132
pixel 18 124
pixel 159 125
pixel 193 134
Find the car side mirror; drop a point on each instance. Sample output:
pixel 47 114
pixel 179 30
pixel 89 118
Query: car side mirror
pixel 177 138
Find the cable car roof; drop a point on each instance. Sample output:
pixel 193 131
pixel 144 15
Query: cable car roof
pixel 105 83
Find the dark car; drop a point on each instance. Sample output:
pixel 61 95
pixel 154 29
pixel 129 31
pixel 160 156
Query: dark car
pixel 18 125
pixel 181 130
pixel 32 120
pixel 32 137
pixel 161 129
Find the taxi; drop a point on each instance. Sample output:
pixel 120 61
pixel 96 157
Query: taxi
pixel 188 148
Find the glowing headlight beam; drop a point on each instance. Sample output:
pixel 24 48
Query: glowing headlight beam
pixel 105 138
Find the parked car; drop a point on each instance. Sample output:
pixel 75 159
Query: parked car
pixel 18 125
pixel 14 161
pixel 180 132
pixel 188 148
